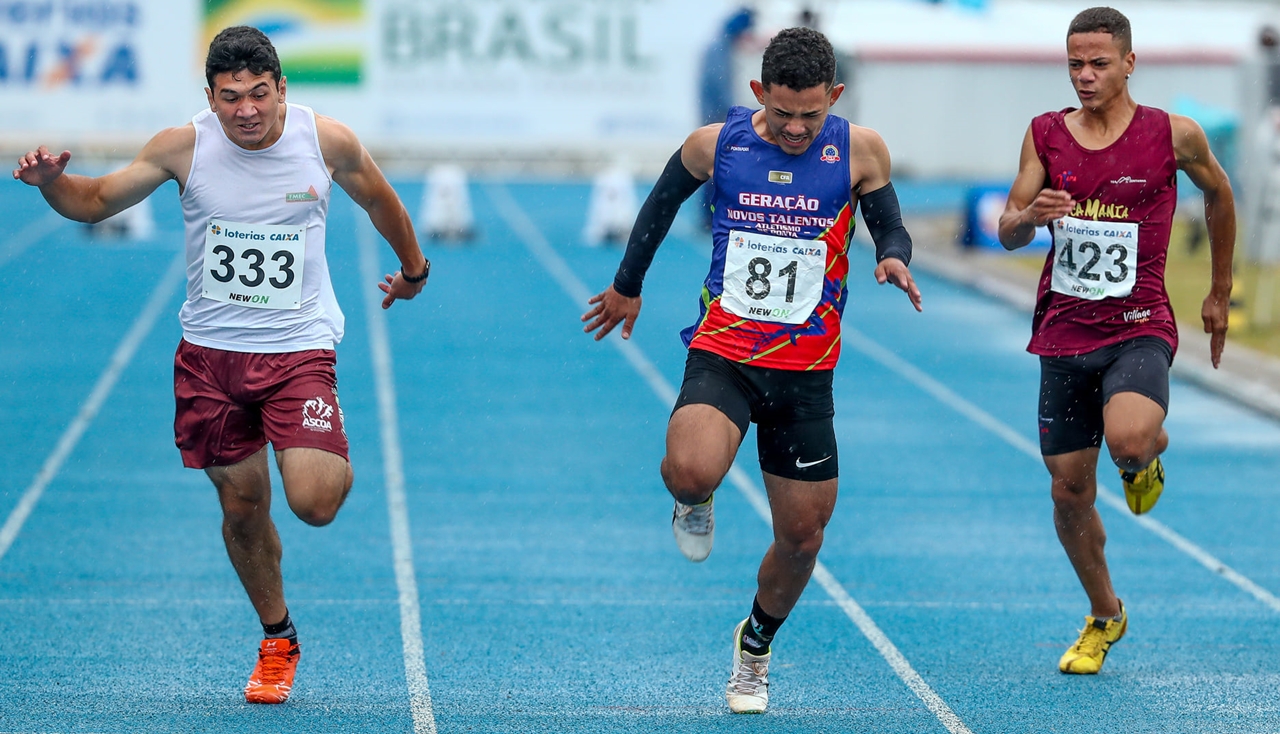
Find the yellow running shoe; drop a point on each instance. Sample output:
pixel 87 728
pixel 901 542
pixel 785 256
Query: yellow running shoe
pixel 1142 490
pixel 1086 656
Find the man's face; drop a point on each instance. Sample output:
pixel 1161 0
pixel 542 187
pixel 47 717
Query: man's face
pixel 1098 68
pixel 249 106
pixel 795 118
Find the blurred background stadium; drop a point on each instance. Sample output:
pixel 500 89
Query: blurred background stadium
pixel 576 87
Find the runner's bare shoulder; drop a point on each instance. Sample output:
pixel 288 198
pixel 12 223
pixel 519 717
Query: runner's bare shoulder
pixel 336 138
pixel 868 158
pixel 699 152
pixel 171 150
pixel 1189 139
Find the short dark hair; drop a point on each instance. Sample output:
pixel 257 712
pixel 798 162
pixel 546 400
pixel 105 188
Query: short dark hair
pixel 799 58
pixel 238 48
pixel 1103 20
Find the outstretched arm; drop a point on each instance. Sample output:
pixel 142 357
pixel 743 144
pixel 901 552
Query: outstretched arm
pixel 869 171
pixel 688 168
pixel 354 170
pixel 88 199
pixel 1191 148
pixel 1030 205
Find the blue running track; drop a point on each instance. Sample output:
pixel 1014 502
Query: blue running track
pixel 505 563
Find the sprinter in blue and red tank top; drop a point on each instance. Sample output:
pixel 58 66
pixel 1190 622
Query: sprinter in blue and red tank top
pixel 1103 178
pixel 786 179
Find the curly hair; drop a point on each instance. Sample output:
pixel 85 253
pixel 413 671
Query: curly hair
pixel 1103 20
pixel 238 48
pixel 799 58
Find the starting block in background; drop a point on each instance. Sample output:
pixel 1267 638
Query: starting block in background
pixel 613 207
pixel 138 222
pixel 445 213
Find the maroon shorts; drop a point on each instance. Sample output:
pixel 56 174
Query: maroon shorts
pixel 230 404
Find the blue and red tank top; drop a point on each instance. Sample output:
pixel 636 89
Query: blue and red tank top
pixel 1103 281
pixel 781 227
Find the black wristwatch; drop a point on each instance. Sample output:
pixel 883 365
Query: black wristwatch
pixel 417 278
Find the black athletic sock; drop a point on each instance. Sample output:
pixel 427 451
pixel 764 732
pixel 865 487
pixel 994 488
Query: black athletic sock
pixel 283 630
pixel 759 630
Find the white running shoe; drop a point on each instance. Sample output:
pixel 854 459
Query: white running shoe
pixel 694 527
pixel 748 689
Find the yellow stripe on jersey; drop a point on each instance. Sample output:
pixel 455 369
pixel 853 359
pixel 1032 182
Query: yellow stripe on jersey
pixel 826 354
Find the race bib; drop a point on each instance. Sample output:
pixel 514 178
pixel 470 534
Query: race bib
pixel 769 278
pixel 254 265
pixel 1094 260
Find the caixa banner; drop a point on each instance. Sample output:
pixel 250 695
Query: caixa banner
pixel 94 66
pixel 49 44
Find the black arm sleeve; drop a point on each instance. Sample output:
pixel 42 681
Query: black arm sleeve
pixel 674 186
pixel 884 221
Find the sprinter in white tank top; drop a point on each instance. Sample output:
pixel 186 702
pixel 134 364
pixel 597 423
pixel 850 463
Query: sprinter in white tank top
pixel 254 174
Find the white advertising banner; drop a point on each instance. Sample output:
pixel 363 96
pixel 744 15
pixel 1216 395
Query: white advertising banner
pixel 539 72
pixel 425 73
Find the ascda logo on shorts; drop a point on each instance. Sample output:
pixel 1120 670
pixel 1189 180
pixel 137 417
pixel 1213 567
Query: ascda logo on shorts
pixel 316 414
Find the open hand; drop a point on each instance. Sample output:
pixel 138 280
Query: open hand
pixel 610 309
pixel 893 270
pixel 39 167
pixel 397 288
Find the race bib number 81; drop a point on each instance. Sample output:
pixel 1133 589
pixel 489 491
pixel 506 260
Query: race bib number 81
pixel 1094 260
pixel 254 265
pixel 769 278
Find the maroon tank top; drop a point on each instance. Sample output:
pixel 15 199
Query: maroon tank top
pixel 1103 281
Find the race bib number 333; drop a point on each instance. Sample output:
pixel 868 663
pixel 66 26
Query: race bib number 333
pixel 1094 260
pixel 769 278
pixel 254 265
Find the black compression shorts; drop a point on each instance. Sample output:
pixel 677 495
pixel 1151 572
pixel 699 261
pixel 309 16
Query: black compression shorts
pixel 1073 390
pixel 793 411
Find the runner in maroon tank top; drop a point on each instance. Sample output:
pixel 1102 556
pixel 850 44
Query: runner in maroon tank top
pixel 1103 179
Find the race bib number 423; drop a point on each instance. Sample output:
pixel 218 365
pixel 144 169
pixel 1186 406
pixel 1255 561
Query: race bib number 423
pixel 769 278
pixel 254 265
pixel 1094 260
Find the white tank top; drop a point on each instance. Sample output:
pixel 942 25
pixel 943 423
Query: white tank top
pixel 257 279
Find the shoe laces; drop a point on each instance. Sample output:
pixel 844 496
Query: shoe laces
pixel 695 519
pixel 273 666
pixel 749 676
pixel 1092 638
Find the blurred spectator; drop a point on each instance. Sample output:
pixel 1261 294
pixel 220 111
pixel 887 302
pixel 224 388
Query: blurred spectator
pixel 716 85
pixel 1261 186
pixel 1269 40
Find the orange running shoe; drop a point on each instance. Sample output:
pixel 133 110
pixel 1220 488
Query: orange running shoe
pixel 272 677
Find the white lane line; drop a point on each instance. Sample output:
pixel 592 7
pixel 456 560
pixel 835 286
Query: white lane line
pixel 128 346
pixel 29 235
pixel 546 255
pixel 945 395
pixel 415 667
